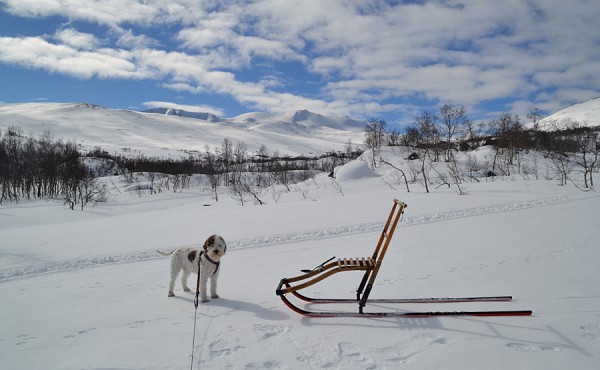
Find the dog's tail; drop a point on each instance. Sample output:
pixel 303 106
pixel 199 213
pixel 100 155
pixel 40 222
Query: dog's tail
pixel 165 253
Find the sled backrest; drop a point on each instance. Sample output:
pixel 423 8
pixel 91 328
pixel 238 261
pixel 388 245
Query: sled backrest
pixel 384 241
pixel 388 230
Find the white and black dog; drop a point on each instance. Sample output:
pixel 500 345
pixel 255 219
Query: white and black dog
pixel 190 259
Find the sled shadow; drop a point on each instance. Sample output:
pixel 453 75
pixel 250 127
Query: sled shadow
pixel 232 304
pixel 391 322
pixel 517 334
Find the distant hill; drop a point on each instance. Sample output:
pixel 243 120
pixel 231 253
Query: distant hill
pixel 165 132
pixel 585 114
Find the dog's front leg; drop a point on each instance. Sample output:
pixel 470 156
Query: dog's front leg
pixel 203 278
pixel 213 286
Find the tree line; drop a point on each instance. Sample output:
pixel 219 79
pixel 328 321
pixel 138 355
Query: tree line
pixel 436 136
pixel 47 168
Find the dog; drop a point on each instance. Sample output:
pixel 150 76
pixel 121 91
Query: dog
pixel 189 260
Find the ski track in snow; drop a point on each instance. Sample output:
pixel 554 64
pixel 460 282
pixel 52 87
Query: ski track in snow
pixel 271 240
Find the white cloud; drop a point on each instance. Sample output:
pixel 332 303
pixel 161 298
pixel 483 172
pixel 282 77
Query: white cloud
pixel 78 40
pixel 37 53
pixel 182 86
pixel 127 39
pixel 108 12
pixel 368 53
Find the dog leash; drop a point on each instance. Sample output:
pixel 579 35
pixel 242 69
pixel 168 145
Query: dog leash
pixel 196 310
pixel 197 299
pixel 198 282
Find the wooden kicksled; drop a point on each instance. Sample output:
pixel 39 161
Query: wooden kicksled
pixel 370 266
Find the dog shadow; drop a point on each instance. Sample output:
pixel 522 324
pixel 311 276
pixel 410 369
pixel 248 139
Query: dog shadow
pixel 236 305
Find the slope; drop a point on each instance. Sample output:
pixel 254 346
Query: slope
pixel 586 114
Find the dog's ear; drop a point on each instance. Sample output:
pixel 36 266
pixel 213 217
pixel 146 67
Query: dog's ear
pixel 209 242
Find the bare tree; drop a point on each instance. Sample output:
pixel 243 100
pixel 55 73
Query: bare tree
pixel 400 171
pixel 263 158
pixel 244 187
pixel 90 190
pixel 456 175
pixel 561 167
pixel 240 153
pixel 587 154
pixel 374 136
pixel 453 119
pixel 428 136
pixel 509 140
pixel 214 173
pixel 337 186
pixel 535 115
pixel 348 148
pixel 280 171
pixel 394 137
pixel 226 157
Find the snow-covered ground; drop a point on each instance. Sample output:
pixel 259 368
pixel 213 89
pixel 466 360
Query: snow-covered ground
pixel 85 289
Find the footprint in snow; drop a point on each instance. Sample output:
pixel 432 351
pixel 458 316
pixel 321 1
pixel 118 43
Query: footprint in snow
pixel 221 348
pixel 351 355
pixel 268 331
pixel 591 331
pixel 264 365
pixel 526 347
pixel 404 351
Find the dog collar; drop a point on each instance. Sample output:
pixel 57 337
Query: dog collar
pixel 209 260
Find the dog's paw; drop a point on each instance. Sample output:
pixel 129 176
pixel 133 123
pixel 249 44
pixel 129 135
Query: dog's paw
pixel 204 300
pixel 214 295
pixel 186 289
pixel 171 294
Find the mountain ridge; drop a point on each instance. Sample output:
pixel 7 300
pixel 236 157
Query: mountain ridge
pixel 177 133
pixel 584 114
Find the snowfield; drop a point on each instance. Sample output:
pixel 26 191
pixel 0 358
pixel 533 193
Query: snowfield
pixel 86 290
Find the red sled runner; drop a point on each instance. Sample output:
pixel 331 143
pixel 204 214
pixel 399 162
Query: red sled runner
pixel 370 266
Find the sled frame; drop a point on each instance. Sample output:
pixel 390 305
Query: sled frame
pixel 370 265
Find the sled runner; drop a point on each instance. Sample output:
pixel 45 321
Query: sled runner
pixel 370 266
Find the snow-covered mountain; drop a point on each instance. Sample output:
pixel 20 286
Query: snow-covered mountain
pixel 183 113
pixel 586 114
pixel 167 132
pixel 175 133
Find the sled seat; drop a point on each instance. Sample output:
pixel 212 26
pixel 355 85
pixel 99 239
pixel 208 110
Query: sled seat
pixel 370 265
pixel 356 263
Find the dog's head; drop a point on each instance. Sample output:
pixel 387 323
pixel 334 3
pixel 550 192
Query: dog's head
pixel 215 247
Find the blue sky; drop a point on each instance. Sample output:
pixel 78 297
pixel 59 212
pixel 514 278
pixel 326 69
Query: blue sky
pixel 366 59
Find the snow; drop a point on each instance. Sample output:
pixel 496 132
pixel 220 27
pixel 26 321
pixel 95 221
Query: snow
pixel 354 170
pixel 86 290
